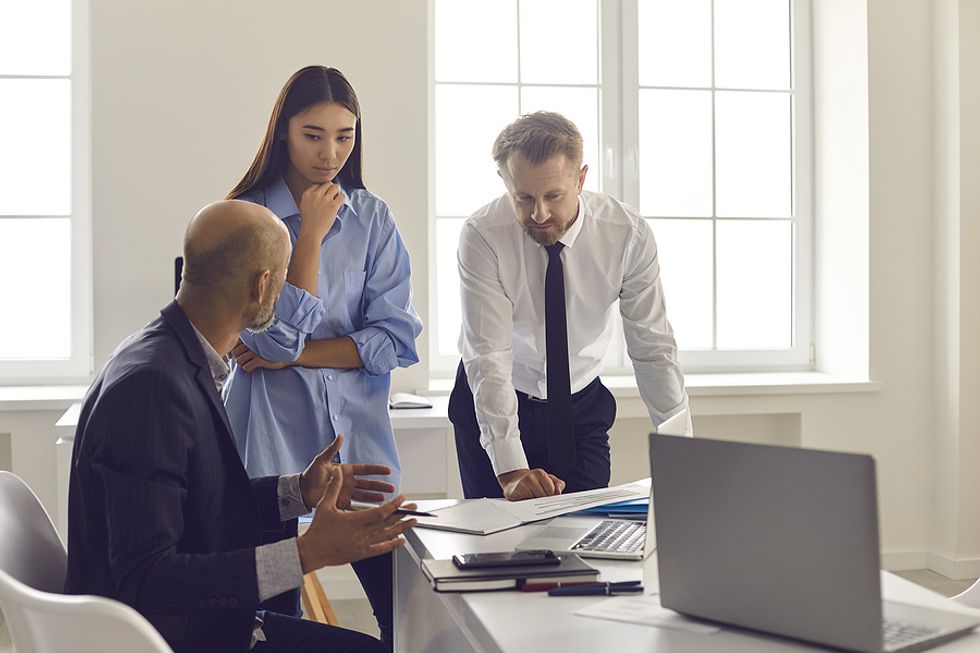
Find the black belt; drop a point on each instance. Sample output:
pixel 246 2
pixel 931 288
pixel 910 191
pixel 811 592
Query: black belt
pixel 575 395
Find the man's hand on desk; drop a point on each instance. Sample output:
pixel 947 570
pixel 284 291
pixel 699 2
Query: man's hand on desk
pixel 529 483
pixel 313 481
pixel 336 537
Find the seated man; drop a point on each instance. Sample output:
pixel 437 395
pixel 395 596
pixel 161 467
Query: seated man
pixel 162 515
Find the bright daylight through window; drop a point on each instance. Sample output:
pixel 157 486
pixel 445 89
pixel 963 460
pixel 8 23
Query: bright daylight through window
pixel 42 335
pixel 693 111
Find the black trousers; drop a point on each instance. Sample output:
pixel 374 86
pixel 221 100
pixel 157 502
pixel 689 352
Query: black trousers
pixel 286 633
pixel 593 411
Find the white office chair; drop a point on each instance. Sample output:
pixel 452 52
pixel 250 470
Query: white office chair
pixel 32 576
pixel 970 596
pixel 41 622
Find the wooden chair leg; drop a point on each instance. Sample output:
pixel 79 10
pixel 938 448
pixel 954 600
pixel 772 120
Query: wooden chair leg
pixel 315 603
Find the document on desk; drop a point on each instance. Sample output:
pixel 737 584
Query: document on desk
pixel 645 610
pixel 485 516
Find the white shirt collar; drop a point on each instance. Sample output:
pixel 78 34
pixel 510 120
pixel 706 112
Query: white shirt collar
pixel 220 369
pixel 568 238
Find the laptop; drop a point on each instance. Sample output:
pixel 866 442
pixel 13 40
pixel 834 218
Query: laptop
pixel 784 541
pixel 617 539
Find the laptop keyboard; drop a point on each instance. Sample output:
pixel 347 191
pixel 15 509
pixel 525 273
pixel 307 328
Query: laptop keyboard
pixel 613 535
pixel 898 635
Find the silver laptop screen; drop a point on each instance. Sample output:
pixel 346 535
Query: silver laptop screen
pixel 777 539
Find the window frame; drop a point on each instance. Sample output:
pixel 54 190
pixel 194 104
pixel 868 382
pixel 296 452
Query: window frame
pixel 619 88
pixel 78 367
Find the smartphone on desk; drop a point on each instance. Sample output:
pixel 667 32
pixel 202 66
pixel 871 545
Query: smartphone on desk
pixel 505 559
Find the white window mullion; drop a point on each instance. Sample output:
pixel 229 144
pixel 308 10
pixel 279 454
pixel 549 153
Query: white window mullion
pixel 618 123
pixel 83 345
pixel 802 144
pixel 628 92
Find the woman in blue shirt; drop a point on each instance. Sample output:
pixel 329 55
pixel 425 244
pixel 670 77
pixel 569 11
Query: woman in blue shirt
pixel 344 318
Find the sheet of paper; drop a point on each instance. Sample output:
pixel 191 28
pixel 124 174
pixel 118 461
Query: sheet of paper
pixel 547 507
pixel 485 516
pixel 645 610
pixel 478 516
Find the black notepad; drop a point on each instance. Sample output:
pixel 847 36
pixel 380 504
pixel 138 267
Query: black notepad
pixel 444 576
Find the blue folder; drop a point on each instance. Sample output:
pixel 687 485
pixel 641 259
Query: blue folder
pixel 630 509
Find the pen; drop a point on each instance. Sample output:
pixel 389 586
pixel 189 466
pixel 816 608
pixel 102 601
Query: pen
pixel 361 505
pixel 417 513
pixel 599 589
pixel 528 586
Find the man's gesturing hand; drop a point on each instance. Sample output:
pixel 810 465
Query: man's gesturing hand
pixel 529 483
pixel 313 480
pixel 336 537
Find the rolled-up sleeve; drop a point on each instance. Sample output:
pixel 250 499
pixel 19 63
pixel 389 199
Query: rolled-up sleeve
pixel 390 324
pixel 298 313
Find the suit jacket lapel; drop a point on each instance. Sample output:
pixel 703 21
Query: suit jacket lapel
pixel 176 318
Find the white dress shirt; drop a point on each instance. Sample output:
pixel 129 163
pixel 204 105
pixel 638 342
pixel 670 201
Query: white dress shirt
pixel 609 255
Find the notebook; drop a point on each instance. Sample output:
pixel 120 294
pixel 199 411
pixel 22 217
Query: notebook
pixel 401 400
pixel 782 540
pixel 444 576
pixel 485 516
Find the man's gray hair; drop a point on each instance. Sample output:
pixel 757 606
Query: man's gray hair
pixel 537 137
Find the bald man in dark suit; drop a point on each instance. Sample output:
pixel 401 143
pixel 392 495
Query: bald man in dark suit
pixel 162 514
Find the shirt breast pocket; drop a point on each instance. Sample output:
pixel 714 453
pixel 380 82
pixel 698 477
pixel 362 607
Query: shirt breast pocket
pixel 354 297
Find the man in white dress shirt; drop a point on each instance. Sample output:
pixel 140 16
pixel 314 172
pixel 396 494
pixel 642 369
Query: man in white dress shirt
pixel 541 270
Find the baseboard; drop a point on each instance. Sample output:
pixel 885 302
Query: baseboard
pixel 904 560
pixel 952 568
pixel 955 568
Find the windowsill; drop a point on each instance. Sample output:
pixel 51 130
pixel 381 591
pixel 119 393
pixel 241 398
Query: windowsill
pixel 730 385
pixel 39 397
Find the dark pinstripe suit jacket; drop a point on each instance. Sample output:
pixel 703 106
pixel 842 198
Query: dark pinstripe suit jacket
pixel 161 514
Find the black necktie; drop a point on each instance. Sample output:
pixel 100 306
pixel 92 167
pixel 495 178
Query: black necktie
pixel 561 439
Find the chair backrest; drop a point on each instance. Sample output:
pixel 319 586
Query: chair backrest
pixel 32 577
pixel 970 596
pixel 41 622
pixel 30 549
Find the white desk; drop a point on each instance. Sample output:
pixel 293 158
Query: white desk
pixel 516 622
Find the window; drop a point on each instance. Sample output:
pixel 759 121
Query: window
pixel 696 112
pixel 44 197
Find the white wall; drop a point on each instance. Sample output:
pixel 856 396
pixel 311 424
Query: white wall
pixel 181 95
pixel 956 523
pixel 181 92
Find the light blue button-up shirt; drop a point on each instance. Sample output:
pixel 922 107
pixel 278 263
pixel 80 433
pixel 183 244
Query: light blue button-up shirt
pixel 283 418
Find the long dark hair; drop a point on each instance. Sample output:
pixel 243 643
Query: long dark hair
pixel 307 87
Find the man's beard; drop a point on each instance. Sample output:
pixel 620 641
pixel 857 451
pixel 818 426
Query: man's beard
pixel 544 237
pixel 263 319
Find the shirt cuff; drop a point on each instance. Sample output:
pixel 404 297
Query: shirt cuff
pixel 291 503
pixel 375 349
pixel 506 455
pixel 298 308
pixel 277 568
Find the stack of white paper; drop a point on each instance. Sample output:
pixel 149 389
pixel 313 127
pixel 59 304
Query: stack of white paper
pixel 485 516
